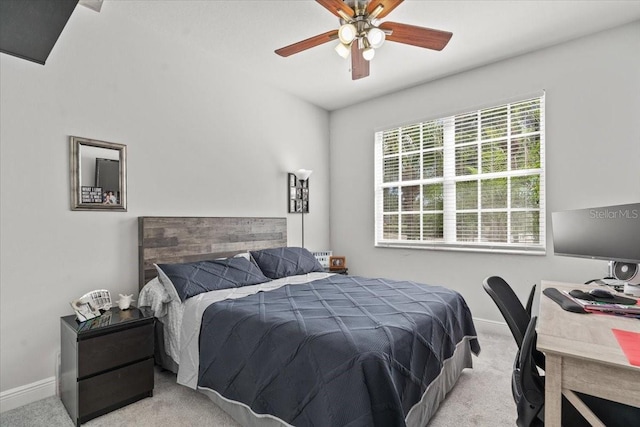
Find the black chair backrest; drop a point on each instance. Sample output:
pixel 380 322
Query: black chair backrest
pixel 532 294
pixel 531 382
pixel 509 305
pixel 527 384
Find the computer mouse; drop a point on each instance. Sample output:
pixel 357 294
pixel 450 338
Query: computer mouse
pixel 601 293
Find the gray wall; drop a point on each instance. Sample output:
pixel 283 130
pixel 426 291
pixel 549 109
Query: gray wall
pixel 202 140
pixel 592 156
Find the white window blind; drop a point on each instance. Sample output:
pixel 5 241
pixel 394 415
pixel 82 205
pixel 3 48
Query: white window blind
pixel 473 181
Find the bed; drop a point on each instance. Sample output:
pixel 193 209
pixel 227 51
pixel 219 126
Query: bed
pixel 273 339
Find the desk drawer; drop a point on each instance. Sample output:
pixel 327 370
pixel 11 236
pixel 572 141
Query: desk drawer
pixel 114 349
pixel 112 388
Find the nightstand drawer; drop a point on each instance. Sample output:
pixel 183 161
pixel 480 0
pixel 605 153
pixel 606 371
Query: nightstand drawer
pixel 107 351
pixel 102 392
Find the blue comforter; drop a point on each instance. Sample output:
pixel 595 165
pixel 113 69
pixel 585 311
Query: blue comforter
pixel 340 351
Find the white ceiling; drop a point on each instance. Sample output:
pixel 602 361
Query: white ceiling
pixel 245 33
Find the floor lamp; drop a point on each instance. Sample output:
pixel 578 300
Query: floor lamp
pixel 303 175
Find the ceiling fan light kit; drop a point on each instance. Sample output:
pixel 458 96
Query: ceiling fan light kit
pixel 367 35
pixel 347 33
pixel 376 37
pixel 360 34
pixel 343 50
pixel 368 53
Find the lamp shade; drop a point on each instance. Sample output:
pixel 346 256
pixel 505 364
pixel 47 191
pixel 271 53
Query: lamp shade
pixel 368 53
pixel 347 33
pixel 303 174
pixel 343 50
pixel 376 37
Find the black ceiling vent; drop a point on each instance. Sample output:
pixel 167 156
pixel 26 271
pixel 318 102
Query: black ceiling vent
pixel 30 28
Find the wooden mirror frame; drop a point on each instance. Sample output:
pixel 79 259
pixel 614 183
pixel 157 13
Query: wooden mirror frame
pixel 77 203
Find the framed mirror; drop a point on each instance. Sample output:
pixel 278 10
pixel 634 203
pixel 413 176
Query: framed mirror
pixel 98 175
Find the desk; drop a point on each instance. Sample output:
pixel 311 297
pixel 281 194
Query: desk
pixel 583 355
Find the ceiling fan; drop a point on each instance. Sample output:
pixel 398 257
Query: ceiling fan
pixel 360 33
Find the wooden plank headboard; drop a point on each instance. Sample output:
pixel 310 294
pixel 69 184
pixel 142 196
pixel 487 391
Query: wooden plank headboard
pixel 185 239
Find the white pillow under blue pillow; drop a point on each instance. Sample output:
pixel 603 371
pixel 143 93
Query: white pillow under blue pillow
pixel 276 263
pixel 166 284
pixel 193 278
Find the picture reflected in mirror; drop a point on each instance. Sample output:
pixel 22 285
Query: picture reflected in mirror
pixel 98 173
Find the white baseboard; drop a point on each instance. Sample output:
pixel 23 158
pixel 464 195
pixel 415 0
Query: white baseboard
pixel 29 393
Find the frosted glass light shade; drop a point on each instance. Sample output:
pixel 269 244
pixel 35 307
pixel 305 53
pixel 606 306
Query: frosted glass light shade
pixel 303 174
pixel 343 50
pixel 376 37
pixel 368 53
pixel 347 33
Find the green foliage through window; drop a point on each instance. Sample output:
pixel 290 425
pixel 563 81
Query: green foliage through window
pixel 490 193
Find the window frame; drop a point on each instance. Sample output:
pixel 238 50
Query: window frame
pixel 449 179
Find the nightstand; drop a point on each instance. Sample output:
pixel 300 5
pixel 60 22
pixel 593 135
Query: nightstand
pixel 106 362
pixel 344 271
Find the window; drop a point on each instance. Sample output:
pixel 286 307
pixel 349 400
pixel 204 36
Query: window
pixel 473 181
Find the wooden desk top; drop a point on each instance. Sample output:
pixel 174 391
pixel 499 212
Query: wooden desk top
pixel 583 336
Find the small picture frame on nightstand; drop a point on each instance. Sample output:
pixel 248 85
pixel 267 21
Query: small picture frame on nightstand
pixel 337 263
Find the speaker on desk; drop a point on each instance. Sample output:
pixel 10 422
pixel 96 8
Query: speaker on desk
pixel 627 272
pixel 630 274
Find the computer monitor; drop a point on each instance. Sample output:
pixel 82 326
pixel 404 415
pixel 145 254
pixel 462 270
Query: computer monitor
pixel 108 175
pixel 609 233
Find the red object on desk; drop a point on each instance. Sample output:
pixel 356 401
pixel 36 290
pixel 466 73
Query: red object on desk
pixel 630 344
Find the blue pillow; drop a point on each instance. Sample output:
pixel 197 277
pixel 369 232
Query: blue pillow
pixel 288 261
pixel 193 278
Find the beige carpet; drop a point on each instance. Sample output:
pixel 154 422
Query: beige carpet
pixel 481 397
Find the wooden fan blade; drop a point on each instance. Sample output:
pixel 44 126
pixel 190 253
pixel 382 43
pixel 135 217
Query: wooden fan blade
pixel 359 65
pixel 417 36
pixel 388 5
pixel 334 6
pixel 308 43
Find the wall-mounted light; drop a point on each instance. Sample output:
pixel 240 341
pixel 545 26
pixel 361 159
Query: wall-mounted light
pixel 303 174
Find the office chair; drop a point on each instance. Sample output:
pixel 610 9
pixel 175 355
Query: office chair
pixel 526 383
pixel 528 392
pixel 515 314
pixel 527 386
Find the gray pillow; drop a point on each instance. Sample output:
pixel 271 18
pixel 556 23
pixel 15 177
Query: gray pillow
pixel 193 278
pixel 276 263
